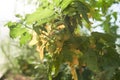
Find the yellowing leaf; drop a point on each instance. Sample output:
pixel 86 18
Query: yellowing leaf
pixel 61 26
pixel 75 60
pixel 48 28
pixel 74 74
pixel 40 49
pixel 34 39
pixel 72 65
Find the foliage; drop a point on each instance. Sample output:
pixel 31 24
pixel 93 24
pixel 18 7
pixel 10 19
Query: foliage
pixel 21 65
pixel 56 29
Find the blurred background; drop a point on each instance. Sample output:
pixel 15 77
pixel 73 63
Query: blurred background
pixel 11 54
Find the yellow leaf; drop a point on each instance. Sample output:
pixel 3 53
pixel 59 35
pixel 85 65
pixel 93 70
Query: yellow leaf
pixel 62 26
pixel 75 60
pixel 74 74
pixel 40 49
pixel 34 39
pixel 48 28
pixel 72 64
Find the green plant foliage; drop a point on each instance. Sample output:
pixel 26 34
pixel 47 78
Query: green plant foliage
pixel 19 30
pixel 57 34
pixel 16 29
pixel 39 17
pixel 25 38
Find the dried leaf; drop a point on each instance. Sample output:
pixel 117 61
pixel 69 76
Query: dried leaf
pixel 40 49
pixel 61 26
pixel 72 65
pixel 74 74
pixel 48 28
pixel 75 60
pixel 34 39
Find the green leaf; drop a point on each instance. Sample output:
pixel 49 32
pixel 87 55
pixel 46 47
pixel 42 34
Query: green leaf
pixel 39 15
pixel 96 14
pixel 104 36
pixel 17 31
pixel 45 3
pixel 114 29
pixel 115 15
pixel 70 11
pixel 65 4
pixel 18 16
pixel 90 58
pixel 106 24
pixel 85 17
pixel 11 24
pixel 47 19
pixel 77 30
pixel 25 38
pixel 82 9
pixel 57 2
pixel 112 57
pixel 110 61
pixel 67 54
